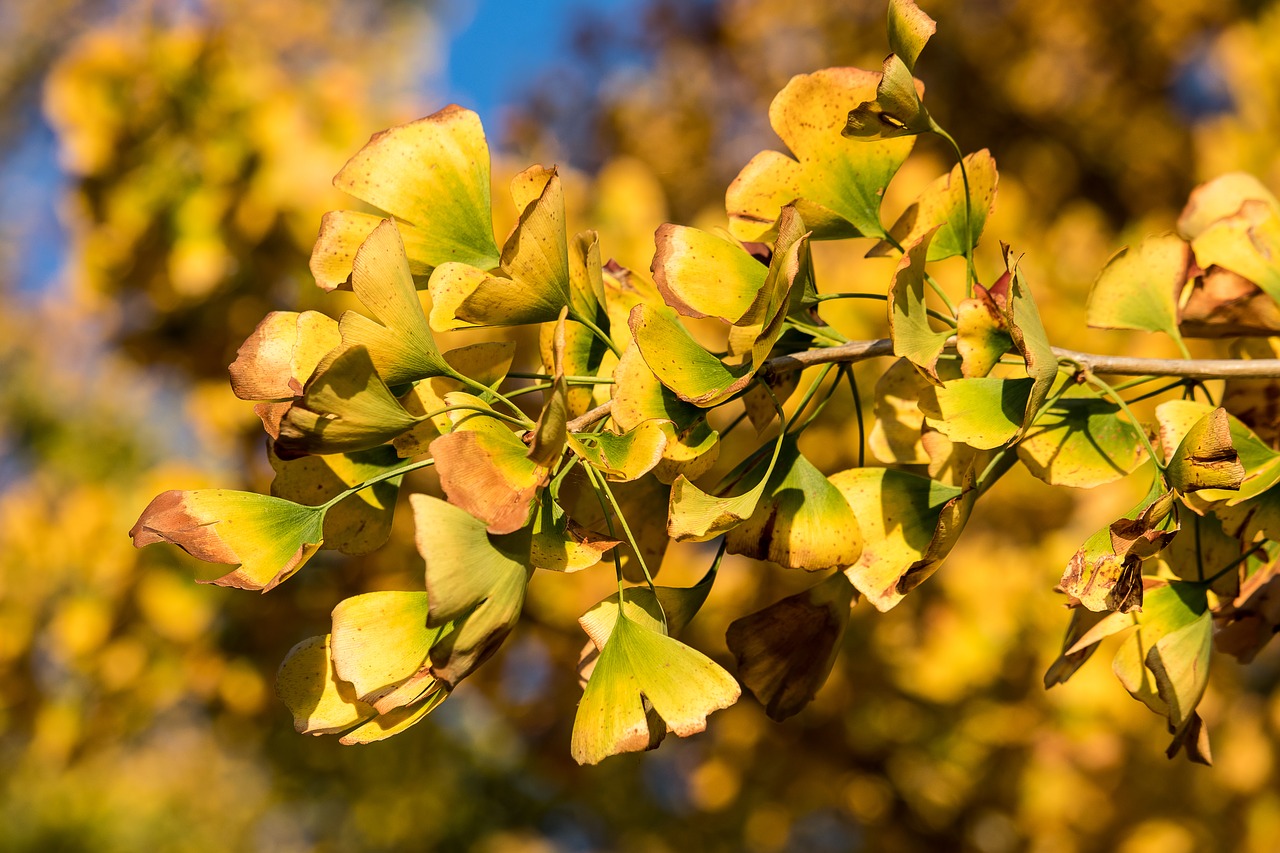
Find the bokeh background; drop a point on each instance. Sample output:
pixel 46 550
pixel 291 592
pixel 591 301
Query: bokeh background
pixel 163 169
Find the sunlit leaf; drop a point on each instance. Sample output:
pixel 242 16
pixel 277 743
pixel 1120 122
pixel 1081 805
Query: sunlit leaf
pixel 1205 458
pixel 276 361
pixel 895 436
pixel 346 407
pixel 1081 440
pixel 358 524
pixel 837 187
pixel 786 651
pixel 269 539
pixel 485 468
pixel 896 109
pixel 321 704
pixel 983 412
pixel 695 516
pixel 622 457
pixel 470 582
pixel 1247 243
pixel 1219 199
pixel 432 175
pixel 942 206
pixel 680 362
pixel 801 521
pixel 1105 573
pixel 982 333
pixel 913 337
pixel 636 665
pixel 533 285
pixel 487 363
pixel 1138 289
pixel 1180 663
pixel 907 522
pixel 1166 608
pixel 379 644
pixel 909 30
pixel 400 343
pixel 705 275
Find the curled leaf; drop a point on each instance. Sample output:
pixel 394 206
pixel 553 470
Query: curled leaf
pixel 267 538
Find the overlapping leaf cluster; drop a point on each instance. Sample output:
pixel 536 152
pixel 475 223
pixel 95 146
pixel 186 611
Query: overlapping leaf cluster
pixel 621 456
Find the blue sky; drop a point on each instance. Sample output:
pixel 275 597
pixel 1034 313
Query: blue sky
pixel 498 46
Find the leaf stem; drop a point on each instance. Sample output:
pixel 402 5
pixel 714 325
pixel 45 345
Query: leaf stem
pixel 857 410
pixel 602 485
pixel 595 330
pixel 972 271
pixel 373 481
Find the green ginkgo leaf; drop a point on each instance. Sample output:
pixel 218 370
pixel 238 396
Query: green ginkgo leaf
pixel 1081 440
pixel 487 363
pixel 1030 339
pixel 267 538
pixel 666 609
pixel 695 516
pixel 895 111
pixel 786 651
pixel 801 521
pixel 836 187
pixel 913 337
pixel 680 362
pixel 636 665
pixel 1167 608
pixel 400 342
pixel 470 583
pixel 533 286
pixel 432 175
pixel 942 206
pixel 1138 289
pixel 359 524
pixel 346 407
pixel 983 412
pixel 379 644
pixel 705 275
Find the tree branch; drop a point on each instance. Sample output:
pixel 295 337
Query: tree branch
pixel 1120 365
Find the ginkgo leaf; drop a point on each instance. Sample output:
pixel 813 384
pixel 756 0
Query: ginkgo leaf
pixel 485 468
pixel 1220 198
pixel 359 524
pixel 346 407
pixel 487 363
pixel 895 436
pixel 1247 243
pixel 622 457
pixel 400 342
pixel 837 187
pixel 786 651
pixel 534 283
pixel 896 109
pixel 983 412
pixel 1105 573
pixel 379 644
pixel 267 538
pixel 680 362
pixel 470 582
pixel 909 30
pixel 1138 289
pixel 705 275
pixel 908 523
pixel 801 521
pixel 913 337
pixel 942 206
pixel 555 543
pixel 1206 458
pixel 695 516
pixel 276 360
pixel 321 704
pixel 636 665
pixel 396 720
pixel 1027 331
pixel 1167 607
pixel 1081 440
pixel 982 333
pixel 443 209
pixel 547 438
